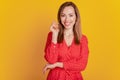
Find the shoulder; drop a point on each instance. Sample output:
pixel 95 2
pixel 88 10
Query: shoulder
pixel 50 33
pixel 49 36
pixel 84 38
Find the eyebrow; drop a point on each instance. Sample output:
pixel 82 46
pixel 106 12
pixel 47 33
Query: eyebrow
pixel 69 13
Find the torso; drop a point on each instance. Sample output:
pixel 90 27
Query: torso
pixel 68 40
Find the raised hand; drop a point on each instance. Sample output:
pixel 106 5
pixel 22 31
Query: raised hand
pixel 54 28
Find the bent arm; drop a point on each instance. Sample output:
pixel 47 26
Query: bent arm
pixel 51 53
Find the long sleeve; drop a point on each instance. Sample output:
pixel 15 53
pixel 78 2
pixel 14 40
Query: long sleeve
pixel 51 54
pixel 80 63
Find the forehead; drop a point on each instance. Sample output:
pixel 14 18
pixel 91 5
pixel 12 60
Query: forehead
pixel 68 9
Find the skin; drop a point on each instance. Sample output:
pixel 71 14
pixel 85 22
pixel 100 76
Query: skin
pixel 68 19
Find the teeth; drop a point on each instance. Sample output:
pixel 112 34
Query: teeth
pixel 67 23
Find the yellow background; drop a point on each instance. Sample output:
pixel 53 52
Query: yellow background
pixel 24 25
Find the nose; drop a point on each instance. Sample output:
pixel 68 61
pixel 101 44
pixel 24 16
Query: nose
pixel 66 18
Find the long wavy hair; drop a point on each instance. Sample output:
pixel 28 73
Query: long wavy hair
pixel 77 26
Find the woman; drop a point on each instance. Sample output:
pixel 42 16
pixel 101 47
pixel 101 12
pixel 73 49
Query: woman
pixel 66 48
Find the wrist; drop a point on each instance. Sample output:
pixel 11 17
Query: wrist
pixel 54 41
pixel 55 34
pixel 54 38
pixel 59 64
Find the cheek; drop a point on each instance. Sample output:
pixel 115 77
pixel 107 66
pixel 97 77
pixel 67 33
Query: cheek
pixel 73 19
pixel 62 19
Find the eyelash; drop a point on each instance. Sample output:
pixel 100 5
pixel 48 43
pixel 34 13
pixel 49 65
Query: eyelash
pixel 71 15
pixel 62 15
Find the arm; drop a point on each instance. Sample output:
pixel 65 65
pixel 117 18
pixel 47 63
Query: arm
pixel 78 64
pixel 51 54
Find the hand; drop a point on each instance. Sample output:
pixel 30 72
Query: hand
pixel 54 27
pixel 48 66
pixel 55 30
pixel 51 66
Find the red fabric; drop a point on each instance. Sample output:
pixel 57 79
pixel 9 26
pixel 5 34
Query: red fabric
pixel 74 59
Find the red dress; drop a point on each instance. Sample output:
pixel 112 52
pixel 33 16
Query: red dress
pixel 74 58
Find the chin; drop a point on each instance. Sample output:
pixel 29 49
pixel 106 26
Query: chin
pixel 68 27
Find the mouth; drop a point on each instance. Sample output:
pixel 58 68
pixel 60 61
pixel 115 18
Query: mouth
pixel 67 23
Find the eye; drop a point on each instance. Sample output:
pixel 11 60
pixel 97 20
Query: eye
pixel 71 15
pixel 62 15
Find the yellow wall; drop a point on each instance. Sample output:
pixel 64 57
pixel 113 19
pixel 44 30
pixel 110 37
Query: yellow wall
pixel 24 26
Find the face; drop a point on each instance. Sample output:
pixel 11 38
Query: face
pixel 68 17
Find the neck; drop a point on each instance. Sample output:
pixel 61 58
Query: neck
pixel 68 32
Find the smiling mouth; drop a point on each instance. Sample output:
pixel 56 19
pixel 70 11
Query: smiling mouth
pixel 67 23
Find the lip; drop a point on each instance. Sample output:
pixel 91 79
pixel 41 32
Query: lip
pixel 67 23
